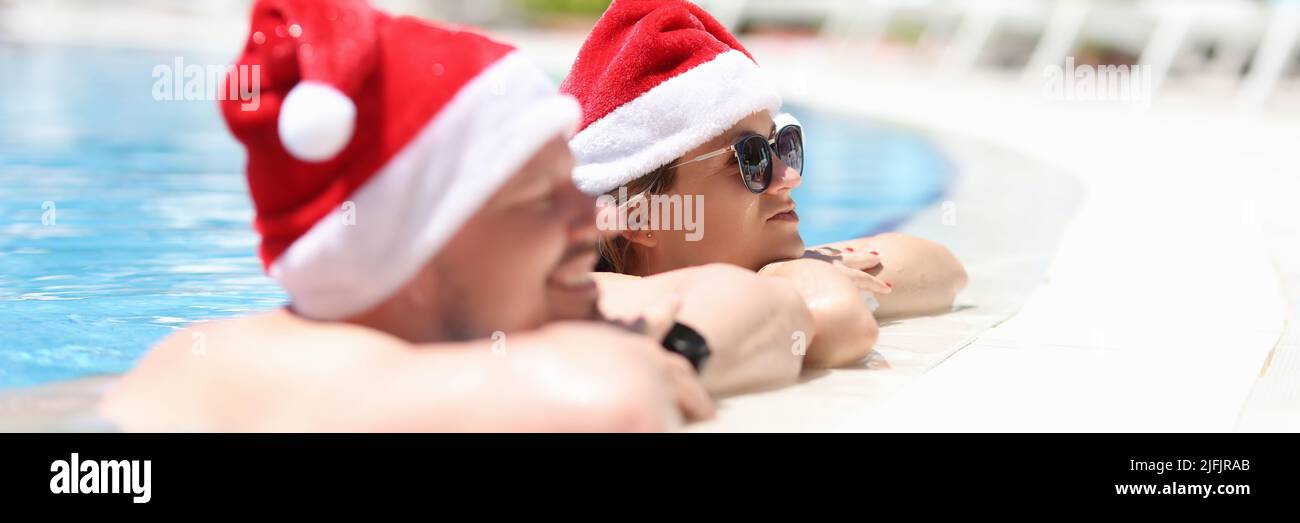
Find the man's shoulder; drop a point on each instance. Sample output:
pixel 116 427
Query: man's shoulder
pixel 210 372
pixel 276 328
pixel 199 335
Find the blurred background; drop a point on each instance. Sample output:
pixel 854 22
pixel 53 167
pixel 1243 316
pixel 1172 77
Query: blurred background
pixel 124 216
pixel 1235 49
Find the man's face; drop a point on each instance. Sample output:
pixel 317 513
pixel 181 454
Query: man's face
pixel 525 258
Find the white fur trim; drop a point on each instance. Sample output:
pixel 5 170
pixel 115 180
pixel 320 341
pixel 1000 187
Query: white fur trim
pixel 784 119
pixel 669 120
pixel 420 198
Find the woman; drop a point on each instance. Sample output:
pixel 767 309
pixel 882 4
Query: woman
pixel 674 106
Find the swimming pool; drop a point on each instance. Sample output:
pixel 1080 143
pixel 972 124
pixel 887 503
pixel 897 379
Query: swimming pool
pixel 125 218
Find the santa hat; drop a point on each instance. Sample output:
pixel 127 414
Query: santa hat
pixel 375 139
pixel 656 79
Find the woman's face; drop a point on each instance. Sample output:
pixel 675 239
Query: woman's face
pixel 739 227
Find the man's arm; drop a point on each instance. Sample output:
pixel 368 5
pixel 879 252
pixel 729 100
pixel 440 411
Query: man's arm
pixel 279 373
pixel 753 324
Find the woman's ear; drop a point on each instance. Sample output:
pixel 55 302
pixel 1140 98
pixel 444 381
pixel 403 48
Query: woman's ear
pixel 642 238
pixel 637 226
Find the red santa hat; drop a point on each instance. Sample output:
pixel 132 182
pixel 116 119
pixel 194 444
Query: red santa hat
pixel 657 78
pixel 375 138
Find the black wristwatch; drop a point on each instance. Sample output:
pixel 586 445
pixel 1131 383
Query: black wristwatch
pixel 689 344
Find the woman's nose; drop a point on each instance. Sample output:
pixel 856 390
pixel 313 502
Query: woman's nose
pixel 784 177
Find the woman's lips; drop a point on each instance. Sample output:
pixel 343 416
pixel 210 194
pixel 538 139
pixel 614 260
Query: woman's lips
pixel 787 216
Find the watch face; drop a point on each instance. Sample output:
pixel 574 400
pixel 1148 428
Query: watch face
pixel 689 344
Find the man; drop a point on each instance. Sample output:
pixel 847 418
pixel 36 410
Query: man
pixel 413 192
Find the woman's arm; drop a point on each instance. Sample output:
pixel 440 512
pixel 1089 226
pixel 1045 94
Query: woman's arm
pixel 755 326
pixel 925 276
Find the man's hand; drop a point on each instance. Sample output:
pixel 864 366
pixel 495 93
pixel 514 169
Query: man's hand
pixel 748 320
pixel 653 324
pixel 636 383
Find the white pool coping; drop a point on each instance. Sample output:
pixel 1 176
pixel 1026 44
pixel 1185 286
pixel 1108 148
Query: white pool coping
pixel 1159 313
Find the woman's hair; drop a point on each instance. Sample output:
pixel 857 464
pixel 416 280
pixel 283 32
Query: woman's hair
pixel 616 251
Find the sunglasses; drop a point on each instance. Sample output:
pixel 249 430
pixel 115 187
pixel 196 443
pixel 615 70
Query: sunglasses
pixel 754 153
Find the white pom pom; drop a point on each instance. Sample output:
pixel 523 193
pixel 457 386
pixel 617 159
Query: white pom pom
pixel 316 121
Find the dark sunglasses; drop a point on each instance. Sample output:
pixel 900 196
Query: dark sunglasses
pixel 754 154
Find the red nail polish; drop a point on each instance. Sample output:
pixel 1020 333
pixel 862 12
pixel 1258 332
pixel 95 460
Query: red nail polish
pixel 874 253
pixel 849 249
pixel 890 285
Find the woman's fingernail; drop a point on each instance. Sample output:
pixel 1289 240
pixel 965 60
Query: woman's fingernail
pixel 849 249
pixel 874 253
pixel 890 285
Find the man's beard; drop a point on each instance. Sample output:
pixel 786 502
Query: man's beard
pixel 458 322
pixel 455 320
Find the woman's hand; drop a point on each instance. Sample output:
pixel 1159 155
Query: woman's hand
pixel 847 256
pixel 925 276
pixel 838 298
pixel 850 263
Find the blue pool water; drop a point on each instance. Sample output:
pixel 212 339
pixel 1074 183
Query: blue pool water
pixel 123 218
